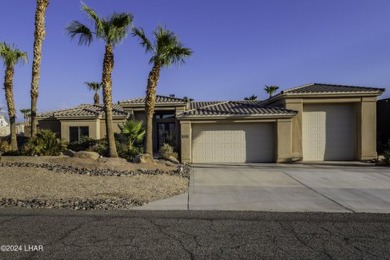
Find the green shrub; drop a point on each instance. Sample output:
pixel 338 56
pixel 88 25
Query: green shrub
pixel 4 146
pixel 83 144
pixel 386 154
pixel 166 151
pixel 127 151
pixel 45 143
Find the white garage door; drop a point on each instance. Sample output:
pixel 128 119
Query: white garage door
pixel 217 143
pixel 329 132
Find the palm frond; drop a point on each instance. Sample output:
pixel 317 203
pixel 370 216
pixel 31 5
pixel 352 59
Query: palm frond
pixel 85 34
pixel 95 18
pixel 144 41
pixel 11 55
pixel 94 86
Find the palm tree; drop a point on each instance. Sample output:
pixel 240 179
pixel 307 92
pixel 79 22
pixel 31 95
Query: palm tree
pixel 134 132
pixel 166 50
pixel 39 36
pixel 270 90
pixel 11 56
pixel 95 86
pixel 26 114
pixel 112 30
pixel 253 97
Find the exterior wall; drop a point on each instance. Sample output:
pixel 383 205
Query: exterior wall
pixel 284 152
pixel 93 125
pixel 296 132
pixel 367 125
pixel 186 141
pixel 50 124
pixel 116 122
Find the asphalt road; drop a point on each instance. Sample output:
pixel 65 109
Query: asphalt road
pixel 193 235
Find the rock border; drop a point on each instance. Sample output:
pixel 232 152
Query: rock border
pixel 75 204
pixel 183 170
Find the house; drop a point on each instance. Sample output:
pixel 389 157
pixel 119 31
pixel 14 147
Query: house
pixel 313 122
pixel 4 126
pixel 383 121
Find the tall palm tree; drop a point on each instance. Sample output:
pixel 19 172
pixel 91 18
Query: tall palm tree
pixel 94 86
pixel 166 50
pixel 11 56
pixel 270 90
pixel 39 36
pixel 26 113
pixel 112 30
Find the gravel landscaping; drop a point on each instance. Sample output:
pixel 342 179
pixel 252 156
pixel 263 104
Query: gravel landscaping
pixel 63 182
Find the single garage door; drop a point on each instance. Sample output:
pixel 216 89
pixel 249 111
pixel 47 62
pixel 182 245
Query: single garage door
pixel 236 143
pixel 329 132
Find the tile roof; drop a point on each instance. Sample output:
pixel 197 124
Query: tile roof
pixel 159 100
pixel 85 110
pixel 330 88
pixel 234 108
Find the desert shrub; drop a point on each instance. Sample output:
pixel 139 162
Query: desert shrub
pixel 83 144
pixel 129 140
pixel 386 154
pixel 45 143
pixel 89 144
pixel 127 151
pixel 4 146
pixel 166 151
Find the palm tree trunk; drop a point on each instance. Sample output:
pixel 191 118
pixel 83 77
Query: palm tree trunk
pixel 108 65
pixel 150 103
pixel 9 97
pixel 39 36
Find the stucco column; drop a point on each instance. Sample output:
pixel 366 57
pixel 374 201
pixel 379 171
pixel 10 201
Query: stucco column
pixel 186 136
pixel 284 140
pixel 367 125
pixel 97 126
pixel 297 105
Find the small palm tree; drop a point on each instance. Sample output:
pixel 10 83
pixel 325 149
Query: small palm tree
pixel 112 30
pixel 11 56
pixel 270 90
pixel 166 50
pixel 253 97
pixel 95 86
pixel 134 132
pixel 26 114
pixel 39 36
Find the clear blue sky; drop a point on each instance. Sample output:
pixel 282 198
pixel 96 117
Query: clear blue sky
pixel 239 46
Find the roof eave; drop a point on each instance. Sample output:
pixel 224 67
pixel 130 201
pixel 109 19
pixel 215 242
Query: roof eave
pixel 220 117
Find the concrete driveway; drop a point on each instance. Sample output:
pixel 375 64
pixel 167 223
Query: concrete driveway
pixel 284 188
pixel 272 187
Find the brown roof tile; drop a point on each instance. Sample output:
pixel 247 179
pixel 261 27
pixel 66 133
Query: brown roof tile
pixel 85 110
pixel 330 88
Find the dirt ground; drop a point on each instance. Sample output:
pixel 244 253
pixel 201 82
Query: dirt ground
pixel 38 183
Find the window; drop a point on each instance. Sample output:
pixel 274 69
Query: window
pixel 76 132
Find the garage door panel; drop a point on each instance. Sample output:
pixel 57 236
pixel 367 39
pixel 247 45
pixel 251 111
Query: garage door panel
pixel 216 143
pixel 329 132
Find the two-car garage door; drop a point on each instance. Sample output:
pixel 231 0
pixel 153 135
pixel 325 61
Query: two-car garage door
pixel 233 143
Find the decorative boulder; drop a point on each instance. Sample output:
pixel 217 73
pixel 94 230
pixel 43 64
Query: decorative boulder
pixel 144 158
pixel 87 155
pixel 173 159
pixel 69 153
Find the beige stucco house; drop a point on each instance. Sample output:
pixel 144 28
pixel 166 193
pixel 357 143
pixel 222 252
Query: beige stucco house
pixel 313 122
